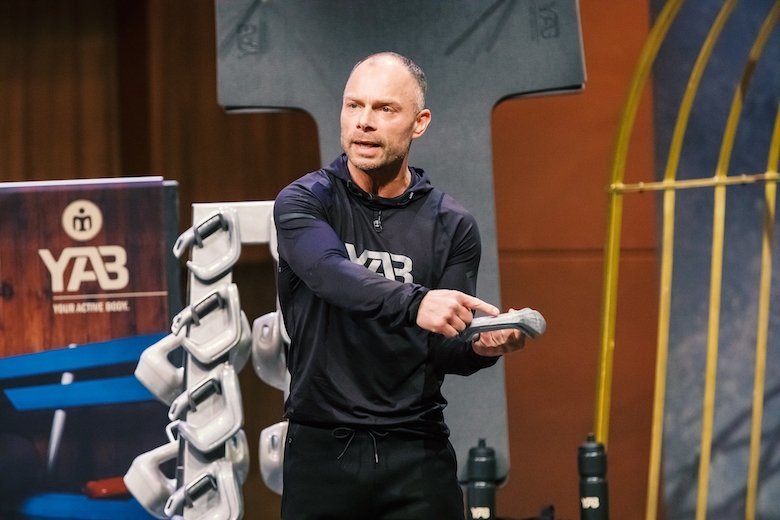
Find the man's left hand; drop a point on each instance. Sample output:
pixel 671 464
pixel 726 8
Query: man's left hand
pixel 498 342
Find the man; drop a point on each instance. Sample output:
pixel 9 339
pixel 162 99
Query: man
pixel 377 272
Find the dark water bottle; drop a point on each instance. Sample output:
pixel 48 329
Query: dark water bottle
pixel 481 491
pixel 594 496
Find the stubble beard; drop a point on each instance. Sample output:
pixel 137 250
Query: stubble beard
pixel 386 165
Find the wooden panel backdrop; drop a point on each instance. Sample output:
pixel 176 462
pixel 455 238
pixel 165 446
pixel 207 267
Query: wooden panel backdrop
pixel 58 104
pixel 551 210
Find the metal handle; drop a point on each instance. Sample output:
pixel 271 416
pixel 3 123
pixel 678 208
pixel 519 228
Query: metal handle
pixel 157 373
pixel 213 324
pixel 219 398
pixel 197 499
pixel 220 229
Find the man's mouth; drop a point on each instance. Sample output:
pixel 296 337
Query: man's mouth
pixel 366 144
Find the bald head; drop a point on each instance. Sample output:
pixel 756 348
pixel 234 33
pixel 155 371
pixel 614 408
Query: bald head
pixel 414 70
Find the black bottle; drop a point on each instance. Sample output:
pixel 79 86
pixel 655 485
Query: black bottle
pixel 481 491
pixel 594 496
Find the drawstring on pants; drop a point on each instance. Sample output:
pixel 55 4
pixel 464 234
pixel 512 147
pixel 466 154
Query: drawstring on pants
pixel 343 432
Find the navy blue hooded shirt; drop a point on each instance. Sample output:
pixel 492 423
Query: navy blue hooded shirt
pixel 353 269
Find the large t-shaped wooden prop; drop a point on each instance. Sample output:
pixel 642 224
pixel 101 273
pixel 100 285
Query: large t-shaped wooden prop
pixel 298 53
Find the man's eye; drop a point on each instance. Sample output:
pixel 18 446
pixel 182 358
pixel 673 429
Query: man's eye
pixel 387 109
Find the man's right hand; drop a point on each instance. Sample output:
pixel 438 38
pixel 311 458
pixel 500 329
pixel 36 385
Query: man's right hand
pixel 448 312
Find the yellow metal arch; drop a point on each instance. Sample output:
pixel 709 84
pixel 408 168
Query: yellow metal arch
pixel 716 270
pixel 669 184
pixel 667 255
pixel 770 197
pixel 615 216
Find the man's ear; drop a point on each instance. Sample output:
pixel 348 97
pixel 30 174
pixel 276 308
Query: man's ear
pixel 421 123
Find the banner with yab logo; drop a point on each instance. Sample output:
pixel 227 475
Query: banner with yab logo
pixel 81 262
pixel 87 282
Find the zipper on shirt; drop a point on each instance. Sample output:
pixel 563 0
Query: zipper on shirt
pixel 378 220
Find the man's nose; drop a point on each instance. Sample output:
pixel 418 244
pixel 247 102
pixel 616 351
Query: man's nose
pixel 366 119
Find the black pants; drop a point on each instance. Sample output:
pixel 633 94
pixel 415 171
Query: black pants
pixel 343 474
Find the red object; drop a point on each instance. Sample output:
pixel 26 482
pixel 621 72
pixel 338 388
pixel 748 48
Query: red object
pixel 106 488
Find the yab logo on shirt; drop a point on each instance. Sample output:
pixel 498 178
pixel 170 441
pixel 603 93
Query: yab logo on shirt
pixel 389 265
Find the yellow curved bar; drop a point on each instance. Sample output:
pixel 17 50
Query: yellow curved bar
pixel 770 194
pixel 667 254
pixel 716 269
pixel 615 217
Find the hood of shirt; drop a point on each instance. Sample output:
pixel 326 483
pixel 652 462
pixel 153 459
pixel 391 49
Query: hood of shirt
pixel 420 185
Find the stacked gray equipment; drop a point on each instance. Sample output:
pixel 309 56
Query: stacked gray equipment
pixel 206 412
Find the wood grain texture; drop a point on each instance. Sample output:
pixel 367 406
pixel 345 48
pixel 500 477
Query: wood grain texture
pixel 34 316
pixel 58 84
